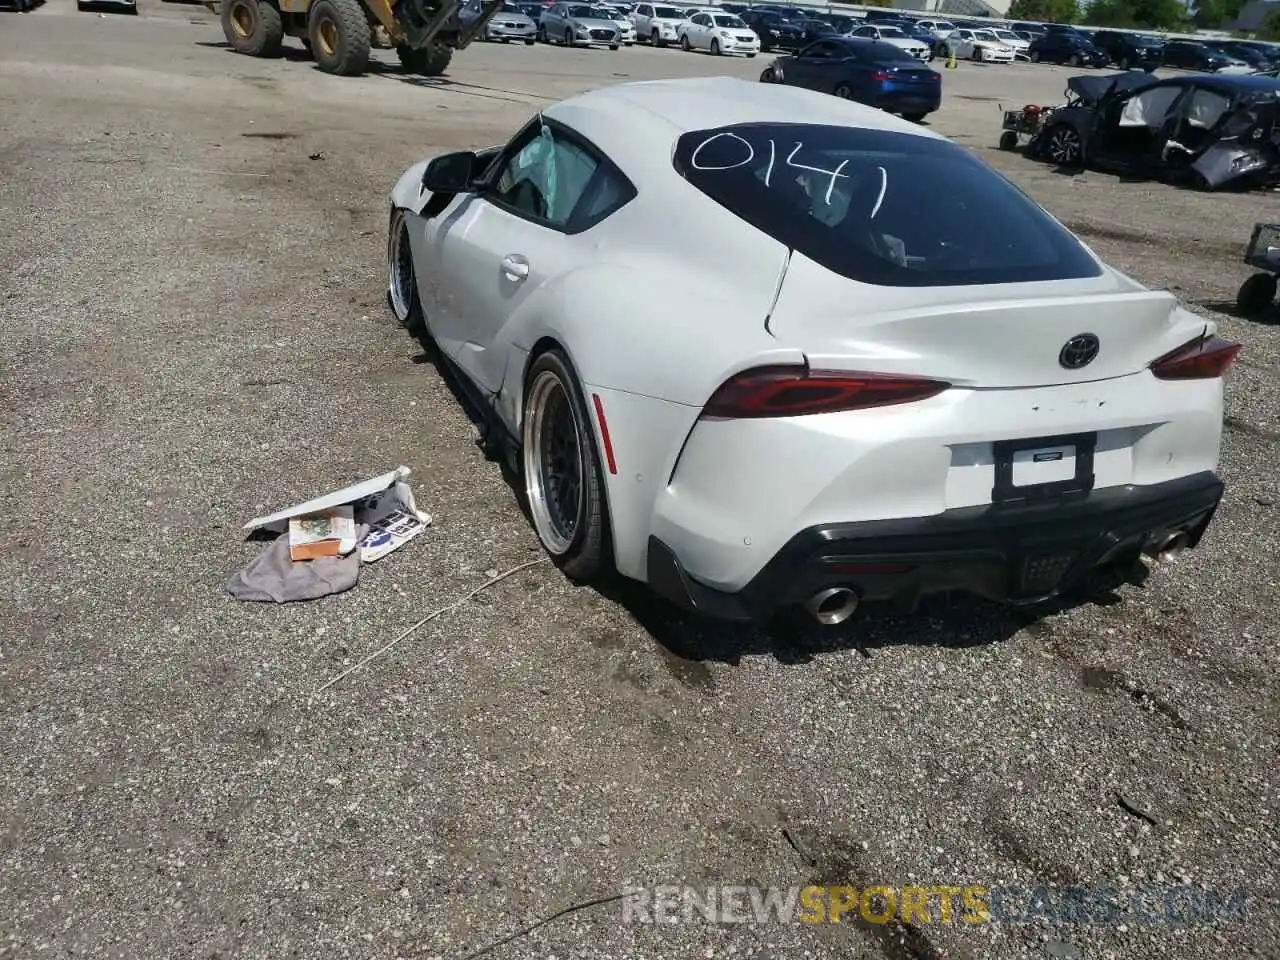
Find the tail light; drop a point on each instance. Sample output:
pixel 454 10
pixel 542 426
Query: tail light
pixel 880 76
pixel 1202 359
pixel 798 391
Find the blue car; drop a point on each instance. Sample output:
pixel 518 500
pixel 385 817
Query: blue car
pixel 873 72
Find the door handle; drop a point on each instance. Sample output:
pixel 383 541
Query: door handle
pixel 515 267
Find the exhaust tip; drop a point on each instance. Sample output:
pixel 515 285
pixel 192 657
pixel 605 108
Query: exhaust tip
pixel 832 606
pixel 1166 546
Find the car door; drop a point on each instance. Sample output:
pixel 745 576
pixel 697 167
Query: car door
pixel 805 68
pixel 961 43
pixel 521 228
pixel 700 31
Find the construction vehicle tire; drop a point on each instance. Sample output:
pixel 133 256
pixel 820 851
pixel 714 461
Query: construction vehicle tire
pixel 339 35
pixel 430 61
pixel 252 27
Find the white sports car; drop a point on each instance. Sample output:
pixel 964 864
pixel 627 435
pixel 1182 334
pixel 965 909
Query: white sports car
pixel 707 323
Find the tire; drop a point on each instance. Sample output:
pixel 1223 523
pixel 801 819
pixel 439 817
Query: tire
pixel 656 39
pixel 1034 56
pixel 1008 140
pixel 1256 294
pixel 684 43
pixel 914 117
pixel 843 92
pixel 1075 61
pixel 339 35
pixel 402 282
pixel 252 27
pixel 528 43
pixel 541 35
pixel 571 524
pixel 1124 63
pixel 429 61
pixel 568 38
pixel 766 75
pixel 751 56
pixel 715 47
pixel 977 54
pixel 613 46
pixel 1063 145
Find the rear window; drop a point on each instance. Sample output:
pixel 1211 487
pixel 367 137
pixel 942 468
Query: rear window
pixel 891 209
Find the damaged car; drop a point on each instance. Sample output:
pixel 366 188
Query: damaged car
pixel 1208 131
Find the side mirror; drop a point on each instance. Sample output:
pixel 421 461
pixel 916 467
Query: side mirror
pixel 451 173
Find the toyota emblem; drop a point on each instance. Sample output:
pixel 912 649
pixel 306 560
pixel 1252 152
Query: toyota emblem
pixel 1079 351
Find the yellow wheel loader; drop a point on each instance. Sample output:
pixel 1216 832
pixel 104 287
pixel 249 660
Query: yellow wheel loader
pixel 340 33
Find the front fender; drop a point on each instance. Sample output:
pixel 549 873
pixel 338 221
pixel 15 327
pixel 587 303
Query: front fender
pixel 408 193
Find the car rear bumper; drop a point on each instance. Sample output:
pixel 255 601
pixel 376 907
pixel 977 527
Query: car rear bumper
pixel 909 103
pixel 1018 554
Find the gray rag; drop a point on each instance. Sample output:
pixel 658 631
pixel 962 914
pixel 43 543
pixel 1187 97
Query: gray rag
pixel 274 577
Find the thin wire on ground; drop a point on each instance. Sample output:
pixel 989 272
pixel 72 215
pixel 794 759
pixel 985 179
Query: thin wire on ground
pixel 572 908
pixel 427 619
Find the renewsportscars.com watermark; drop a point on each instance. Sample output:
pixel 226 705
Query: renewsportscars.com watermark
pixel 1177 906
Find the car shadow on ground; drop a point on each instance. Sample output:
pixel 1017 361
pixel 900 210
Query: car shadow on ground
pixel 292 54
pixel 792 637
pixel 1268 317
pixel 467 89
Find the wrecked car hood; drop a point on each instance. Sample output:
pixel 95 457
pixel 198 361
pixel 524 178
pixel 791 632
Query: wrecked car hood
pixel 1091 88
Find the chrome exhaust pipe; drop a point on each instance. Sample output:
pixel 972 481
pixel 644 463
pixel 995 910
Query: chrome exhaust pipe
pixel 1168 545
pixel 832 606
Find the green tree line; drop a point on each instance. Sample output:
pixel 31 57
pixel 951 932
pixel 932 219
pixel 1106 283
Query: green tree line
pixel 1170 15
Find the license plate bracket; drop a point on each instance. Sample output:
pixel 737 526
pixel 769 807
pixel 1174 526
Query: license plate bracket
pixel 1011 458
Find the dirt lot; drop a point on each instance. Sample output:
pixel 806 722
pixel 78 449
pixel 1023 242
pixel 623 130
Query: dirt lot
pixel 193 331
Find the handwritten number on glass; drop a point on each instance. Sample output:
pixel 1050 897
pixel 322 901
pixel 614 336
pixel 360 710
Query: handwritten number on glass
pixel 747 153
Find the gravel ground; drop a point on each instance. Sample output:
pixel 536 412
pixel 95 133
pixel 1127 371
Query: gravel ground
pixel 194 331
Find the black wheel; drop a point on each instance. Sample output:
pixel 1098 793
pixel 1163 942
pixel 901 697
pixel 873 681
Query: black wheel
pixel 1074 60
pixel 252 28
pixel 339 35
pixel 715 47
pixel 528 43
pixel 914 117
pixel 429 61
pixel 684 43
pixel 751 56
pixel 568 38
pixel 542 34
pixel 843 92
pixel 562 477
pixel 613 46
pixel 655 38
pixel 1034 56
pixel 1256 294
pixel 977 54
pixel 402 282
pixel 766 75
pixel 1124 63
pixel 1063 146
pixel 1008 140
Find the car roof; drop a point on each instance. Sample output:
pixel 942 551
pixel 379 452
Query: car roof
pixel 637 123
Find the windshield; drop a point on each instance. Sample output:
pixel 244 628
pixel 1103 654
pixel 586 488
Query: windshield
pixel 729 21
pixel 850 198
pixel 983 35
pixel 1007 35
pixel 668 13
pixel 892 33
pixel 944 25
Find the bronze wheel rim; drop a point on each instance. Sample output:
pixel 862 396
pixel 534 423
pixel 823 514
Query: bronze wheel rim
pixel 327 36
pixel 242 20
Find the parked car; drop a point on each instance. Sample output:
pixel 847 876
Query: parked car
pixel 874 72
pixel 980 45
pixel 622 18
pixel 657 23
pixel 1128 50
pixel 914 31
pixel 814 28
pixel 1066 46
pixel 668 450
pixel 1021 45
pixel 578 25
pixel 1033 29
pixel 510 23
pixel 121 6
pixel 1207 130
pixel 1254 56
pixel 939 28
pixel 1192 55
pixel 775 33
pixel 887 33
pixel 718 33
pixel 533 11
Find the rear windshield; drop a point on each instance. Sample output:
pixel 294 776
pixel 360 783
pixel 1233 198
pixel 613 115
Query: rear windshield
pixel 892 209
pixel 723 21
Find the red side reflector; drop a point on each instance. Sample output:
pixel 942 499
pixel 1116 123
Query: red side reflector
pixel 604 434
pixel 798 391
pixel 1202 359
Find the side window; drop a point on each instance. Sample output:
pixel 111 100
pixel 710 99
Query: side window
pixel 552 179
